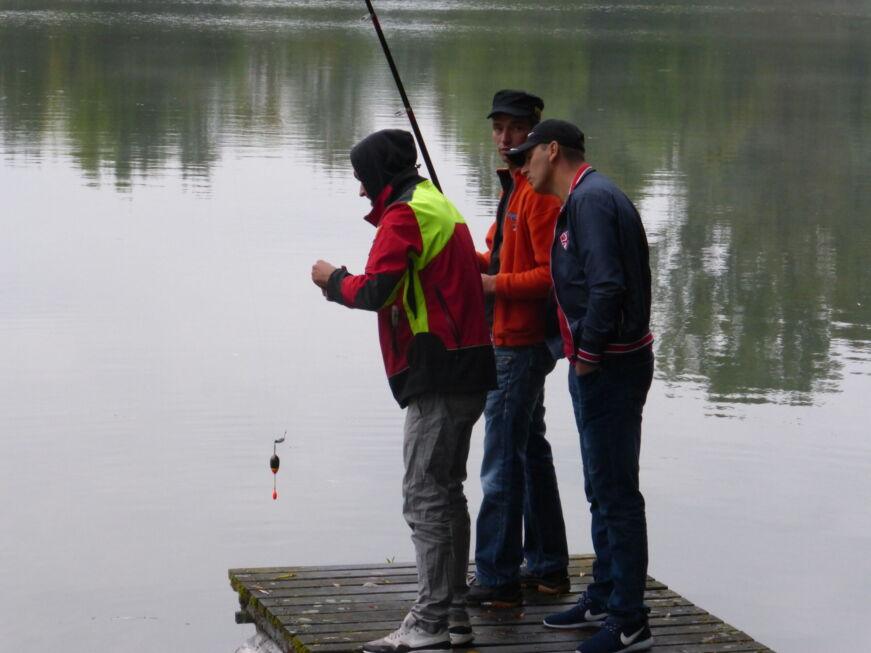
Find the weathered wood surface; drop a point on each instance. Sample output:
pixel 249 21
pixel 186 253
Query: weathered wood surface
pixel 335 609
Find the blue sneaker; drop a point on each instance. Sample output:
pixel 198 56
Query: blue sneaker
pixel 615 637
pixel 584 614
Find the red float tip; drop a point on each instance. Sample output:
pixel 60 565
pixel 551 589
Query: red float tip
pixel 274 494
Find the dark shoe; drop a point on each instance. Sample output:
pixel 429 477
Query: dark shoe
pixel 584 614
pixel 460 631
pixel 615 637
pixel 500 596
pixel 556 582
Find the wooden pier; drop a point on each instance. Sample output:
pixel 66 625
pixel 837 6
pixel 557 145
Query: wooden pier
pixel 335 609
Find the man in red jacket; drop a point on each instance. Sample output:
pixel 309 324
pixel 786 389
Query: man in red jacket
pixel 422 278
pixel 521 515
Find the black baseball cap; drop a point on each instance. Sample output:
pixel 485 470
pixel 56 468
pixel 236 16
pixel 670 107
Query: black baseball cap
pixel 547 131
pixel 517 103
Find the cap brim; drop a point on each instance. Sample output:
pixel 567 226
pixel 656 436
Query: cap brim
pixel 511 111
pixel 518 154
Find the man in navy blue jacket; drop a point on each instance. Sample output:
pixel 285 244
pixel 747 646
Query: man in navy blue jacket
pixel 601 276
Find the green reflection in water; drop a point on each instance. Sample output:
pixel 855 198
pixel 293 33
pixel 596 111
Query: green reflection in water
pixel 741 130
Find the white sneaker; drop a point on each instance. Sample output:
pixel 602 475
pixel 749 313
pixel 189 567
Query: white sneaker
pixel 460 631
pixel 410 637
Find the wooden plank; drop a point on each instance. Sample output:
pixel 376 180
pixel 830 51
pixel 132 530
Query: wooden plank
pixel 659 606
pixel 241 573
pixel 271 599
pixel 338 579
pixel 577 566
pixel 325 622
pixel 388 623
pixel 563 647
pixel 285 589
pixel 533 633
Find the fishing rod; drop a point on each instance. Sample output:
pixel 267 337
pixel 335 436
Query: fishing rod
pixel 414 126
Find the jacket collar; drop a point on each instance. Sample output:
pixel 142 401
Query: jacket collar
pixel 508 179
pixel 580 175
pixel 374 216
pixel 505 180
pixel 390 193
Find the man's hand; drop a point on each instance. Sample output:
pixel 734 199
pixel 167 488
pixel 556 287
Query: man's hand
pixel 582 368
pixel 321 272
pixel 488 281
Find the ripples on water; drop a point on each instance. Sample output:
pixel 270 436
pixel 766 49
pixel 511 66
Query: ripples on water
pixel 258 644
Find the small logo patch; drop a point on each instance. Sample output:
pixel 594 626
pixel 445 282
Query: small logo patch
pixel 513 217
pixel 564 239
pixel 589 616
pixel 626 641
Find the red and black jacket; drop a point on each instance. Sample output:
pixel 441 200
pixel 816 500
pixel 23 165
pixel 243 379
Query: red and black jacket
pixel 422 278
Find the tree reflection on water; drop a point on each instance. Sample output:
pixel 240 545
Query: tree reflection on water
pixel 742 136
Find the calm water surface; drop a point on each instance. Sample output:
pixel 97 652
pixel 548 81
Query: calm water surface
pixel 169 170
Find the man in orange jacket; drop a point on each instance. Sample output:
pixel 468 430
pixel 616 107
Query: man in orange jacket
pixel 521 514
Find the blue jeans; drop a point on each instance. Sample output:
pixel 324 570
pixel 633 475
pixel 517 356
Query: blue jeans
pixel 521 515
pixel 608 404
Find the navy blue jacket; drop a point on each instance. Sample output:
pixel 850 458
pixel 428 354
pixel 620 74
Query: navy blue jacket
pixel 601 271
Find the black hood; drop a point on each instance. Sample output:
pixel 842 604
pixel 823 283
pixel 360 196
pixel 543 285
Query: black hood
pixel 381 157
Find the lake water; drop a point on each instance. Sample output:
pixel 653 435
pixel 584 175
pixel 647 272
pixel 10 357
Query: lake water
pixel 169 170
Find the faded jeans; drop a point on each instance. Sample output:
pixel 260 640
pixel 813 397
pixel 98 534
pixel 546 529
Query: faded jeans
pixel 608 404
pixel 521 514
pixel 438 427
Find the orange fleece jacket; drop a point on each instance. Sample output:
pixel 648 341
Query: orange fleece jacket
pixel 523 282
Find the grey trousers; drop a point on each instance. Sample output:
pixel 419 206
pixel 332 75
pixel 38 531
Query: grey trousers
pixel 438 427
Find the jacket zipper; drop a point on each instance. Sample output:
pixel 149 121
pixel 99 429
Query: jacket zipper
pixel 394 323
pixel 576 183
pixel 450 317
pixel 501 213
pixel 410 297
pixel 553 282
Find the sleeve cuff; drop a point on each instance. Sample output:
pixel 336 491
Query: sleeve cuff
pixel 588 357
pixel 334 285
pixel 588 353
pixel 501 283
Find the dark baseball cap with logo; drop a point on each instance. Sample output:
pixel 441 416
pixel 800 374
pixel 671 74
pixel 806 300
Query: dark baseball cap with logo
pixel 548 131
pixel 517 103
